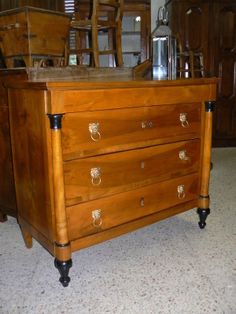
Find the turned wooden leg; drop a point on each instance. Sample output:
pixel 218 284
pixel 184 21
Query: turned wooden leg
pixel 204 199
pixel 27 238
pixel 63 268
pixel 203 213
pixel 62 246
pixel 3 217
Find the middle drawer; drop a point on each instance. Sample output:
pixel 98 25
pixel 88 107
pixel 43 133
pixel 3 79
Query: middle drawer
pixel 91 178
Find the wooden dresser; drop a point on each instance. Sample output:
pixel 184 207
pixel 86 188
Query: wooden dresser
pixel 97 158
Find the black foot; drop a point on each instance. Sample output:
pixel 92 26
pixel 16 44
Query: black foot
pixel 203 213
pixel 63 268
pixel 3 217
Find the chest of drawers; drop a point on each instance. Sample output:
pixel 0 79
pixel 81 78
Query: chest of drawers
pixel 95 159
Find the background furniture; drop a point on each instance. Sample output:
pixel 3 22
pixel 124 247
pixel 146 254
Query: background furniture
pixel 136 31
pixel 190 64
pixel 208 27
pixel 136 24
pixel 136 27
pixel 56 5
pixel 102 16
pixel 74 142
pixel 33 35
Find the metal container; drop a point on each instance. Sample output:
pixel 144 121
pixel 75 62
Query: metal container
pixel 163 48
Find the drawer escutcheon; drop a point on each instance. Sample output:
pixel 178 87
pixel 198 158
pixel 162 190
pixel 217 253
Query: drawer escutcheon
pixel 148 124
pixel 142 203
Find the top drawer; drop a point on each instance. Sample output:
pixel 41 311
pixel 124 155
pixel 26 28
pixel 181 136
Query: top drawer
pixel 99 132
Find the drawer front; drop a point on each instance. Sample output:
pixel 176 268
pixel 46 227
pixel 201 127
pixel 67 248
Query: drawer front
pixel 94 177
pixel 98 215
pixel 100 132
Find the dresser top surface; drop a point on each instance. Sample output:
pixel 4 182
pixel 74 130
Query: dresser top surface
pixel 90 78
pixel 105 83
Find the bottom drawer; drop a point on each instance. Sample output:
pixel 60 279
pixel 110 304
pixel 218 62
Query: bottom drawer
pixel 98 215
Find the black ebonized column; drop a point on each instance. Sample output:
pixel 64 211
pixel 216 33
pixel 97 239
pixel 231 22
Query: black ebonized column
pixel 209 106
pixel 63 268
pixel 203 213
pixel 55 121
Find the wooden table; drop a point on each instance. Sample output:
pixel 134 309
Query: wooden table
pixel 99 157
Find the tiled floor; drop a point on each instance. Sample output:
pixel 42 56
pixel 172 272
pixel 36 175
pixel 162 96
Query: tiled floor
pixel 169 267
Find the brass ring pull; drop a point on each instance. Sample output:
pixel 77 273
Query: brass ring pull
pixel 183 155
pixel 184 120
pixel 97 220
pixel 94 131
pixel 95 176
pixel 181 192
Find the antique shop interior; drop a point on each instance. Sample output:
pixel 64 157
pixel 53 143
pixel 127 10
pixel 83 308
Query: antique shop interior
pixel 117 156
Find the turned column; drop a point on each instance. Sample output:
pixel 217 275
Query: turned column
pixel 204 199
pixel 62 248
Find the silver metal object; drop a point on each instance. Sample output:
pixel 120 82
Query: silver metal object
pixel 163 48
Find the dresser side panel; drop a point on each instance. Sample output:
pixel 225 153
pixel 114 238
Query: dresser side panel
pixel 7 187
pixel 7 190
pixel 30 133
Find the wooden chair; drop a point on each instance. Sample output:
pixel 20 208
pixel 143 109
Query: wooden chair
pixel 106 15
pixel 189 63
